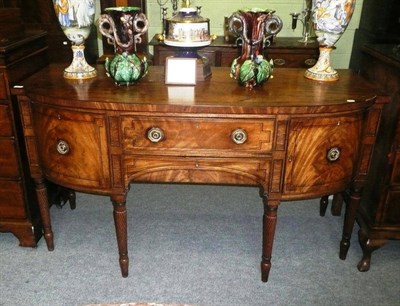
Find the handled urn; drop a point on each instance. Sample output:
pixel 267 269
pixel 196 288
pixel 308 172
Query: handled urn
pixel 123 28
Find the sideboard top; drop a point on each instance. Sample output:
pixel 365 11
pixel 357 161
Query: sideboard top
pixel 287 91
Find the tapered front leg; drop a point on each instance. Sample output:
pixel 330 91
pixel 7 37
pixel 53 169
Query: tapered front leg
pixel 269 225
pixel 349 220
pixel 120 221
pixel 43 201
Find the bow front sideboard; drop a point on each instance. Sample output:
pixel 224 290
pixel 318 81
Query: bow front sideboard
pixel 292 137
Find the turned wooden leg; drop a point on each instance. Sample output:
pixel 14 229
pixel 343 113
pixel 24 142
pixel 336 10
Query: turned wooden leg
pixel 41 192
pixel 349 220
pixel 323 204
pixel 120 221
pixel 367 246
pixel 269 225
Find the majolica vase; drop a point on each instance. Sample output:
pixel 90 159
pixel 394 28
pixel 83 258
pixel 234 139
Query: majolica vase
pixel 331 18
pixel 255 27
pixel 123 27
pixel 76 20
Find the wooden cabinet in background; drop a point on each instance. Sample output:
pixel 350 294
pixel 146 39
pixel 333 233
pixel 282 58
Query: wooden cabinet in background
pixel 379 215
pixel 286 52
pixel 21 54
pixel 379 24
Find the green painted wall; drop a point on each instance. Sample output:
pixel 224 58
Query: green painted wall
pixel 216 10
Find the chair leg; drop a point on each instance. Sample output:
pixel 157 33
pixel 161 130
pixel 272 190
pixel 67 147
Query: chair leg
pixel 323 204
pixel 337 204
pixel 72 198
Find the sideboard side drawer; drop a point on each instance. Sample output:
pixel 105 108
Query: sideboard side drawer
pixel 199 134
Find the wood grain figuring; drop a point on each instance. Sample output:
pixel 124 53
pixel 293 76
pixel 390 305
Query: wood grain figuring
pixel 197 170
pixel 308 147
pixel 198 134
pixel 287 132
pixel 85 164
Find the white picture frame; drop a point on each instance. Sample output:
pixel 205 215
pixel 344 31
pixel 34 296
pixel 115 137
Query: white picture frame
pixel 180 71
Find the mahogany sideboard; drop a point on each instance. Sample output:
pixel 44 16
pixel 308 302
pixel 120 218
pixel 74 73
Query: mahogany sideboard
pixel 292 137
pixel 286 52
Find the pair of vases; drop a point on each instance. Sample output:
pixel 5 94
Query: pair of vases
pixel 124 26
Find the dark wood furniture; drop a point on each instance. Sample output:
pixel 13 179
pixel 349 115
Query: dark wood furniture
pixel 379 23
pixel 379 214
pixel 286 52
pixel 293 138
pixel 40 15
pixel 21 54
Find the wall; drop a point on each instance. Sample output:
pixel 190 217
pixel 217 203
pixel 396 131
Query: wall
pixel 216 10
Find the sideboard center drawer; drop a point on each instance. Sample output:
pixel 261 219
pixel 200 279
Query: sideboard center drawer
pixel 187 134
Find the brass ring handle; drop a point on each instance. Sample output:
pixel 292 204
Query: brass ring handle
pixel 310 62
pixel 279 62
pixel 63 147
pixel 155 134
pixel 239 136
pixel 333 154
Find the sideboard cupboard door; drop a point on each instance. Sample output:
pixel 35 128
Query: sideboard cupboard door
pixel 321 152
pixel 73 149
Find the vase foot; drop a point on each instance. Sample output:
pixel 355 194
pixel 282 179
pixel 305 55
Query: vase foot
pixel 322 76
pixel 87 73
pixel 79 69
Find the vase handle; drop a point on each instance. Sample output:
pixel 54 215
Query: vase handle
pixel 273 25
pixel 106 27
pixel 140 26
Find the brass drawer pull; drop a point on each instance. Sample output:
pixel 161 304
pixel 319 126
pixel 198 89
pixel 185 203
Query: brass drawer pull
pixel 63 147
pixel 155 134
pixel 310 61
pixel 279 62
pixel 333 154
pixel 239 136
